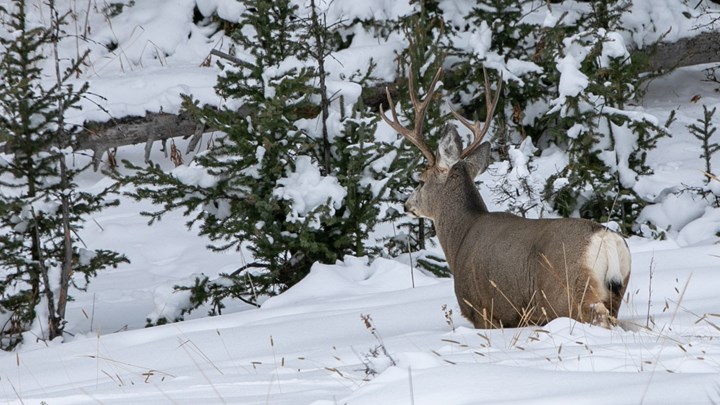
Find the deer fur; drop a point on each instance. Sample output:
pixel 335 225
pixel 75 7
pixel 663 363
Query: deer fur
pixel 511 271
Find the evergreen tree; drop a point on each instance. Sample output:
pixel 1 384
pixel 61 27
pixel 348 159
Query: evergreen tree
pixel 703 130
pixel 606 143
pixel 511 40
pixel 294 130
pixel 41 209
pixel 237 203
pixel 568 84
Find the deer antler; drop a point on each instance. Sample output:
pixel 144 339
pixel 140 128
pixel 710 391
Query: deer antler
pixel 414 135
pixel 490 104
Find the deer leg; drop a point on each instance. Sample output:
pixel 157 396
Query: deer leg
pixel 594 313
pixel 593 306
pixel 600 316
pixel 616 300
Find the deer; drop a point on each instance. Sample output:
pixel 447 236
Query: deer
pixel 509 271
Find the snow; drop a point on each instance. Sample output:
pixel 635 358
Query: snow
pixel 625 141
pixel 194 175
pixel 572 80
pixel 650 20
pixel 226 9
pixel 702 230
pixel 149 37
pixel 613 48
pixel 363 10
pixel 310 345
pixel 307 189
pixel 674 212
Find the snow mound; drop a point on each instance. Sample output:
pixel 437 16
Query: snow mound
pixel 350 278
pixel 702 230
pixel 674 212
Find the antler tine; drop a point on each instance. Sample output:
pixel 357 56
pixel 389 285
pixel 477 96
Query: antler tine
pixel 421 106
pixel 490 104
pixel 410 135
pixel 415 135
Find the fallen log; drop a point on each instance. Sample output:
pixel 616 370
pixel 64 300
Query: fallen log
pixel 700 49
pixel 100 138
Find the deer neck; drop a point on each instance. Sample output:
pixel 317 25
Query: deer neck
pixel 458 209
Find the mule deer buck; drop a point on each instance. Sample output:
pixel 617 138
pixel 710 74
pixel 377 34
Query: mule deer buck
pixel 510 271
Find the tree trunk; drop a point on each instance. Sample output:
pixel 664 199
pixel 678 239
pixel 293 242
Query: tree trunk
pixel 67 264
pixel 101 137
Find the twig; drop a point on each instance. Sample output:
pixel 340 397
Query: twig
pixel 652 266
pixel 412 267
pixel 412 390
pixel 233 59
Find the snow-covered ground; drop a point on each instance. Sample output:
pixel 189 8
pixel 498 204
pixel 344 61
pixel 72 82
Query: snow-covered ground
pixel 311 345
pixel 355 332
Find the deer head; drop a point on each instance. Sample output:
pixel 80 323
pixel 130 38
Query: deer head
pixel 433 179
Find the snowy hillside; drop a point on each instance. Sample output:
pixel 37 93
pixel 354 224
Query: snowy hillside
pixel 359 332
pixel 311 345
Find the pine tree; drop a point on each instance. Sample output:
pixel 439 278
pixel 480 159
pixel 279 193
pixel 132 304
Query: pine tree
pixel 293 130
pixel 41 208
pixel 606 144
pixel 511 38
pixel 703 130
pixel 237 202
pixel 547 100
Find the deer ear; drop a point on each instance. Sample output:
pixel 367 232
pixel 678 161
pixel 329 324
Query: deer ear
pixel 449 147
pixel 479 160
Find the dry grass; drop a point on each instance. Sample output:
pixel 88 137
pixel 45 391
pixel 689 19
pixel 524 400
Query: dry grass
pixel 379 350
pixel 448 316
